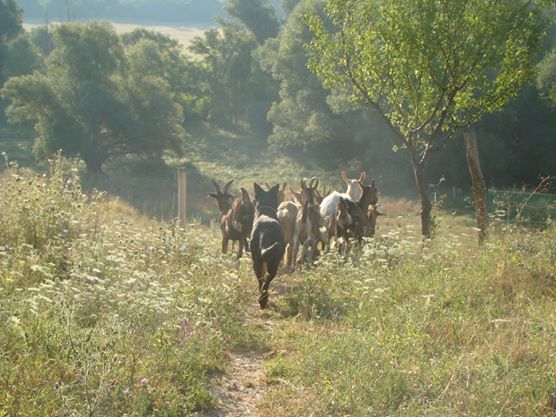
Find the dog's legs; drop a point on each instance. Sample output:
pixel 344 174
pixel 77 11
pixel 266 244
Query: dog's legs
pixel 272 267
pixel 260 271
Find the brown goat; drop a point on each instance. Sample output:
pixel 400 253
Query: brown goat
pixel 350 222
pixel 242 214
pixel 236 217
pixel 369 203
pixel 307 224
pixel 287 214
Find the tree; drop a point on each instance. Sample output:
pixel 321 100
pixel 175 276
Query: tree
pixel 233 81
pixel 10 27
pixel 257 15
pixel 289 5
pixel 546 78
pixel 92 103
pixel 429 67
pixel 10 19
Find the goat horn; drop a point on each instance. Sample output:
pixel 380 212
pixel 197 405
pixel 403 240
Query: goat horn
pixel 227 186
pixel 314 182
pixel 216 186
pixel 267 186
pixel 303 186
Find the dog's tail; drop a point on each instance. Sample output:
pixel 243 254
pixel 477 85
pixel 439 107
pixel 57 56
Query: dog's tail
pixel 266 253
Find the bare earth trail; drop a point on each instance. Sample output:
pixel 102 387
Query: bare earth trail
pixel 243 386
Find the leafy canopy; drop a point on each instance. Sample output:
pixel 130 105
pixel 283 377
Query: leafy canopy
pixel 546 77
pixel 96 99
pixel 258 15
pixel 429 66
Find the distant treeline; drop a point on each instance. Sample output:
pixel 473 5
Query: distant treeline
pixel 198 12
pixel 171 11
pixel 248 75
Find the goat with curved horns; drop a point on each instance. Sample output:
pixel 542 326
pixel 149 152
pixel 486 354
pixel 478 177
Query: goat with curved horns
pixel 236 217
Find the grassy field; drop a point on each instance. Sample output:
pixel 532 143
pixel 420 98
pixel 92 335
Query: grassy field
pixel 183 34
pixel 108 312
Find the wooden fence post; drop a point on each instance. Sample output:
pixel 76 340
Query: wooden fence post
pixel 478 183
pixel 182 187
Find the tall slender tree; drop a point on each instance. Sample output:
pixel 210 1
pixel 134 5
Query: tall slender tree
pixel 428 67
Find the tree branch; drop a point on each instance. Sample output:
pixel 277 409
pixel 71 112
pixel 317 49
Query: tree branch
pixel 375 105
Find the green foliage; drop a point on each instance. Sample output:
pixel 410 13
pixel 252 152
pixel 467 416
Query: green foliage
pixel 288 5
pixel 431 66
pixel 41 37
pixel 546 77
pixel 257 15
pixel 10 20
pixel 22 57
pixel 107 313
pixel 96 99
pixel 319 125
pixel 10 27
pixel 234 86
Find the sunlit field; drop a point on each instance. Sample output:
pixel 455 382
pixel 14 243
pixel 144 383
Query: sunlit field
pixel 183 34
pixel 109 313
pixel 111 306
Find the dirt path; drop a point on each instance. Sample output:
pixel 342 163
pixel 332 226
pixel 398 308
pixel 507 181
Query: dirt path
pixel 242 387
pixel 240 390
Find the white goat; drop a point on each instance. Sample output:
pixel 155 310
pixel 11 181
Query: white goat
pixel 329 204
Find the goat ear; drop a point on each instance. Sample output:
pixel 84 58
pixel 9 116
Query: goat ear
pixel 362 177
pixel 297 196
pixel 258 189
pixel 245 195
pixel 344 176
pixel 225 191
pixel 213 195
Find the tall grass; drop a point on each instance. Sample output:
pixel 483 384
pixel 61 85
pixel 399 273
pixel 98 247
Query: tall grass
pixel 105 312
pixel 412 329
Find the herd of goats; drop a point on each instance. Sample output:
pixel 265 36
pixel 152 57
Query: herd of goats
pixel 270 225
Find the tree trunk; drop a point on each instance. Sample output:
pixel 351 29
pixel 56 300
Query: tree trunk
pixel 478 183
pixel 94 163
pixel 426 205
